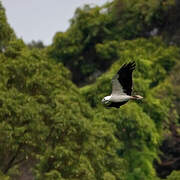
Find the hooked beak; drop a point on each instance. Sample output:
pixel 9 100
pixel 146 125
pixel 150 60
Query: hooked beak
pixel 103 100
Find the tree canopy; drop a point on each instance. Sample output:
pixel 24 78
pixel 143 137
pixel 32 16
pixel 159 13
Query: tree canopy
pixel 6 32
pixel 52 122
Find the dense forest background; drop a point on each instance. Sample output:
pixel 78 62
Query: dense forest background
pixel 52 123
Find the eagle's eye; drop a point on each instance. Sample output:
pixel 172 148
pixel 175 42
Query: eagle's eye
pixel 103 100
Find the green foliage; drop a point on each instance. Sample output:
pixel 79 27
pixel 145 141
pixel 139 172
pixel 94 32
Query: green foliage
pixel 147 54
pixel 138 139
pixel 36 44
pixel 139 126
pixel 64 130
pixel 15 48
pixel 174 175
pixel 90 43
pixel 3 177
pixel 136 18
pixel 45 119
pixel 76 48
pixel 24 95
pixel 107 50
pixel 6 33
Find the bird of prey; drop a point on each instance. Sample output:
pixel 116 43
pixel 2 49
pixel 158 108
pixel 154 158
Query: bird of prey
pixel 121 87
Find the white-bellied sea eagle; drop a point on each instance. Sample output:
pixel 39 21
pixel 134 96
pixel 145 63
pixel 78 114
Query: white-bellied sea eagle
pixel 121 87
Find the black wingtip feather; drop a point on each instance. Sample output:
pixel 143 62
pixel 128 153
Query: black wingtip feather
pixel 125 76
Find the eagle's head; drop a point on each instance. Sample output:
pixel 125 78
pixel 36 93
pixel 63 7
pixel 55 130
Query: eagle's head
pixel 106 100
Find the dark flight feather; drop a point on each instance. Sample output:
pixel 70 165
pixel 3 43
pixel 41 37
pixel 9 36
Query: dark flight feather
pixel 125 77
pixel 116 105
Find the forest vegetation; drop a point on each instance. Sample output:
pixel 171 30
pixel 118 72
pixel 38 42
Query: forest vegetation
pixel 52 123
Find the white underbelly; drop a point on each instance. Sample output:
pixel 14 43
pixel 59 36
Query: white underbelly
pixel 121 98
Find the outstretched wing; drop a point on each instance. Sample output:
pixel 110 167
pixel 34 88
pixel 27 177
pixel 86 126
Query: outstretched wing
pixel 122 81
pixel 117 89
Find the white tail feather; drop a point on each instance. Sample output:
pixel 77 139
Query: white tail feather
pixel 137 97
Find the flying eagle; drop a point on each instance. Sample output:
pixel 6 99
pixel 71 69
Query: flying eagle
pixel 121 87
